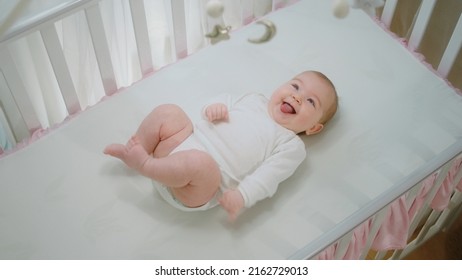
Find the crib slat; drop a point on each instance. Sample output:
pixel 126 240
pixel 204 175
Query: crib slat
pixel 247 12
pixel 452 50
pixel 342 245
pixel 14 121
pixel 388 12
pixel 63 76
pixel 429 223
pixel 140 26
pixel 20 97
pixel 380 255
pixel 98 36
pixel 455 211
pixel 5 124
pixel 277 4
pixel 425 12
pixel 179 28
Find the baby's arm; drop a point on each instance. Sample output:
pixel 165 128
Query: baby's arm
pixel 279 166
pixel 263 182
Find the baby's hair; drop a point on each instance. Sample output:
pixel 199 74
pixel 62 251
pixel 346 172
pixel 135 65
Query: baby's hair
pixel 330 112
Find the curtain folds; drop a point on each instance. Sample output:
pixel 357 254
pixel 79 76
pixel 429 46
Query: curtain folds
pixel 33 64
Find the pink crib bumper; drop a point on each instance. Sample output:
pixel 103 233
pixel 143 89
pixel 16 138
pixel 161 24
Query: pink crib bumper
pixel 394 231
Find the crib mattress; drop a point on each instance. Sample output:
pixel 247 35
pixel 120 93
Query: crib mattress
pixel 61 198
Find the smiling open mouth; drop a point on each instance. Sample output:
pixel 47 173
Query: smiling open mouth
pixel 287 108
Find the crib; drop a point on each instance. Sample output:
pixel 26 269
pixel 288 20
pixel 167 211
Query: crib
pixel 383 178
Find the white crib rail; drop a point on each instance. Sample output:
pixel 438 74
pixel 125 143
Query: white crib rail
pixel 22 120
pixel 18 108
pixel 421 21
pixel 179 28
pixel 388 12
pixel 426 223
pixel 98 36
pixel 61 70
pixel 452 49
pixel 140 26
pixel 21 117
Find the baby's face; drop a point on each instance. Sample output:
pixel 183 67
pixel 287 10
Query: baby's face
pixel 300 103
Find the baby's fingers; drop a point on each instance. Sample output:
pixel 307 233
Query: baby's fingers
pixel 217 112
pixel 232 213
pixel 223 112
pixel 212 114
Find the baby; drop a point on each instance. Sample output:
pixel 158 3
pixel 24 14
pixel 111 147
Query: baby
pixel 238 154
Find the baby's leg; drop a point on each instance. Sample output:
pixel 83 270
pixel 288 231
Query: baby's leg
pixel 164 129
pixel 159 133
pixel 192 175
pixel 132 154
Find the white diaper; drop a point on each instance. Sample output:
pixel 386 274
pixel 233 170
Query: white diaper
pixel 171 199
pixel 190 143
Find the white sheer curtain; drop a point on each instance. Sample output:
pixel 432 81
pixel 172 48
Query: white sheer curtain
pixel 32 61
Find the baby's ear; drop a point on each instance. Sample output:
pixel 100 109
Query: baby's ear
pixel 315 129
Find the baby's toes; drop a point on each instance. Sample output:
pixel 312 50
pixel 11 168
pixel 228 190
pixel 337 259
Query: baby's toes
pixel 132 142
pixel 115 150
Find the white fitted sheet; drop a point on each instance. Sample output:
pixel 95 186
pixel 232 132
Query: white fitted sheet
pixel 61 198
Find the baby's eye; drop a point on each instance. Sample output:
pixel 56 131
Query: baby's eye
pixel 311 100
pixel 295 86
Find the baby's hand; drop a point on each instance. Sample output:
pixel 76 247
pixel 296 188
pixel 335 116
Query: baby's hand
pixel 232 201
pixel 216 112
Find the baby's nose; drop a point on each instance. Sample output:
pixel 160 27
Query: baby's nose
pixel 297 98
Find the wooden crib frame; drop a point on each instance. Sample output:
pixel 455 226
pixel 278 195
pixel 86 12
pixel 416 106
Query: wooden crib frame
pixel 23 122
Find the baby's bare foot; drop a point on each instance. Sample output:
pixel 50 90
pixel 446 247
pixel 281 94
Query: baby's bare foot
pixel 132 154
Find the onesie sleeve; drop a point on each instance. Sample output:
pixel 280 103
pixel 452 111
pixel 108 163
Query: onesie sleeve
pixel 279 166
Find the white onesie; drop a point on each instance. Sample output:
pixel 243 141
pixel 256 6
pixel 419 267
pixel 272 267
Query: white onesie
pixel 253 152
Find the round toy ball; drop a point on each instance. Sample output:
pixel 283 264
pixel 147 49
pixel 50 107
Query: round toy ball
pixel 214 8
pixel 340 8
